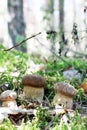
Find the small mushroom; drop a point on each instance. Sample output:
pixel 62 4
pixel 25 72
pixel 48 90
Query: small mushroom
pixel 84 86
pixel 34 86
pixel 65 94
pixel 8 98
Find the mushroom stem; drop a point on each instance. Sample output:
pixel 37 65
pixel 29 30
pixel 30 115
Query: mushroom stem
pixel 63 100
pixel 9 103
pixel 34 92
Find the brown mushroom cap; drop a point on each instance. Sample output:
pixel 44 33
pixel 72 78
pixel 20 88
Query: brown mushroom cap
pixel 33 80
pixel 65 88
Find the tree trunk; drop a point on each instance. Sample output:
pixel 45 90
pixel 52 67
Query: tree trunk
pixel 51 24
pixel 49 14
pixel 62 42
pixel 61 15
pixel 16 25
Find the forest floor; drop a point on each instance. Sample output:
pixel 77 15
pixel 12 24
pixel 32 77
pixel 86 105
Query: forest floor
pixel 32 115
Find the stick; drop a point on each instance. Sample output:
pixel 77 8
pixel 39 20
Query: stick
pixel 22 41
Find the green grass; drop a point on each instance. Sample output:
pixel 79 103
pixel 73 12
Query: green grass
pixel 18 61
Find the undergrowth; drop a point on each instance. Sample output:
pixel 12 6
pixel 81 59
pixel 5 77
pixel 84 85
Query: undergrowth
pixel 12 62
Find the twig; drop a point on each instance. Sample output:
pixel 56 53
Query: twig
pixel 22 41
pixel 79 53
pixel 53 52
pixel 76 52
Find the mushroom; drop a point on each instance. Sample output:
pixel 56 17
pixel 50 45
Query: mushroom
pixel 34 86
pixel 65 94
pixel 8 98
pixel 84 86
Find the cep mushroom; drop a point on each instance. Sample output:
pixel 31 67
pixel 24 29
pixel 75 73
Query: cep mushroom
pixel 84 86
pixel 34 86
pixel 65 94
pixel 8 98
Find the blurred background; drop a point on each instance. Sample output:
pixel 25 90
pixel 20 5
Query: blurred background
pixel 62 23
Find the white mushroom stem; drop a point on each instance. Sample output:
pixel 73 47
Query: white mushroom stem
pixel 34 92
pixel 63 100
pixel 11 103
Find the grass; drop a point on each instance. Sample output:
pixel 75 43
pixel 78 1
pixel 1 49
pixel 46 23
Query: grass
pixel 15 61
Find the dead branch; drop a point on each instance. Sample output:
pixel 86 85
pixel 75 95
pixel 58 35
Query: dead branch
pixel 22 42
pixel 54 53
